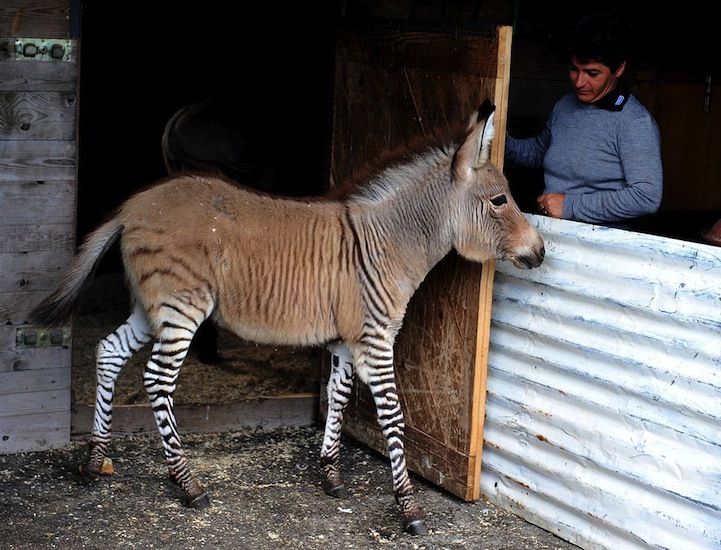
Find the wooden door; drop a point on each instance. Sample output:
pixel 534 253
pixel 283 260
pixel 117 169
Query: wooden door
pixel 38 152
pixel 392 84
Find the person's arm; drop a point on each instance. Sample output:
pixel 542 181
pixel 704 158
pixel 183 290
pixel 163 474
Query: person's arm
pixel 639 150
pixel 529 152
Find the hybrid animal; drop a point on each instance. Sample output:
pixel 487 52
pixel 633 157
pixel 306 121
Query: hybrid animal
pixel 274 270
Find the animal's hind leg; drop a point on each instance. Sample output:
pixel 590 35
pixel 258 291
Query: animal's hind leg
pixel 179 322
pixel 112 353
pixel 340 385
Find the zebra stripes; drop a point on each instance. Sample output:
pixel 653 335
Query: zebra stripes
pixel 293 272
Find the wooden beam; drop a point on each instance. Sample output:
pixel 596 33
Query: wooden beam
pixel 263 412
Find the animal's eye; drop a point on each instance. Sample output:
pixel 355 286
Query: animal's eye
pixel 499 200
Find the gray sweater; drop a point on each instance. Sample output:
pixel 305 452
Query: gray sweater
pixel 606 162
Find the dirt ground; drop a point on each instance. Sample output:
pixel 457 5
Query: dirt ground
pixel 265 489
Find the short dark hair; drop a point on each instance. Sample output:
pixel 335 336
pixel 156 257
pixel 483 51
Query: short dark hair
pixel 600 36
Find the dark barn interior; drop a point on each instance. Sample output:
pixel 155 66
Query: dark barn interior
pixel 275 67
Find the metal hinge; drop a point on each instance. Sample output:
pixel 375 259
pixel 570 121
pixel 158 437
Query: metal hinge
pixel 42 337
pixel 44 49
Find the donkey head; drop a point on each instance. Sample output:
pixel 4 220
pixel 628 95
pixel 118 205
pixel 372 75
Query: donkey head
pixel 490 224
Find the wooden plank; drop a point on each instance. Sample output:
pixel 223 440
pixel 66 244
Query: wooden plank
pixel 485 299
pixel 426 51
pixel 34 380
pixel 36 271
pixel 28 238
pixel 45 202
pixel 36 76
pixel 40 402
pixel 38 160
pixel 37 115
pixel 35 432
pixel 15 307
pixel 264 412
pixel 39 18
pixel 16 360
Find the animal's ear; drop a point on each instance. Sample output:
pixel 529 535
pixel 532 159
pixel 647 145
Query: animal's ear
pixel 476 149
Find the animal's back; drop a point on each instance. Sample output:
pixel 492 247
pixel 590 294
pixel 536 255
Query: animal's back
pixel 277 270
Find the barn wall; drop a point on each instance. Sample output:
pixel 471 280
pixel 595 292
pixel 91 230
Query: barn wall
pixel 38 111
pixel 604 389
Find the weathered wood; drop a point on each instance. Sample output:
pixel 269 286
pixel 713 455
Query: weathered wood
pixel 263 412
pixel 38 160
pixel 36 237
pixel 16 360
pixel 38 168
pixel 425 51
pixel 34 432
pixel 15 307
pixel 34 380
pixel 46 202
pixel 40 402
pixel 37 115
pixel 37 271
pixel 39 18
pixel 36 76
pixel 386 93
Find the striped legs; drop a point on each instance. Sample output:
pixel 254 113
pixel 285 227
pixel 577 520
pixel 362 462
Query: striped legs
pixel 340 385
pixel 379 374
pixel 160 377
pixel 112 353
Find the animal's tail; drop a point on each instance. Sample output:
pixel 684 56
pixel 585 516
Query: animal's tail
pixel 58 308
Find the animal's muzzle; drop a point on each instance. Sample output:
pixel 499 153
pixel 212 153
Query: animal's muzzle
pixel 533 258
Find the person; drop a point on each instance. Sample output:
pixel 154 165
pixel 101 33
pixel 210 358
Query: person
pixel 600 148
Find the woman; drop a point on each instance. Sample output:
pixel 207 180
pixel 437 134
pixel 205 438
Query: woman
pixel 600 148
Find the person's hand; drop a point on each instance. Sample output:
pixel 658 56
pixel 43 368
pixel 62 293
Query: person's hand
pixel 551 204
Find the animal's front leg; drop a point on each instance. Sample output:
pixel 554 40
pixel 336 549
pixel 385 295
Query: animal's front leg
pixel 379 375
pixel 340 385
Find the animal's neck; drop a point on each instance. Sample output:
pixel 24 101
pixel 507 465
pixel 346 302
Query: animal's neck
pixel 410 229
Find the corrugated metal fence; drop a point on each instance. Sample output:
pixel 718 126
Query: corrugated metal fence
pixel 603 420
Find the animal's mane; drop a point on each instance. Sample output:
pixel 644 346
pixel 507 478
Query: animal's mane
pixel 370 181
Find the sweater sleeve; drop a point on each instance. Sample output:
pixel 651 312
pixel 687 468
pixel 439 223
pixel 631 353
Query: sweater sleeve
pixel 529 152
pixel 639 150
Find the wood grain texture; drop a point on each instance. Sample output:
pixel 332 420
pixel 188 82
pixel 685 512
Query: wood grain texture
pixel 15 307
pixel 34 432
pixel 34 380
pixel 37 271
pixel 45 202
pixel 389 87
pixel 36 18
pixel 34 237
pixel 35 76
pixel 38 160
pixel 37 115
pixel 40 402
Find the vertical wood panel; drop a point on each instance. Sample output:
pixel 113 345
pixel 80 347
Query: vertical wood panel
pixel 390 86
pixel 38 169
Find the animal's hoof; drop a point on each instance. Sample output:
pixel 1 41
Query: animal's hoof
pixel 336 491
pixel 88 473
pixel 416 527
pixel 201 502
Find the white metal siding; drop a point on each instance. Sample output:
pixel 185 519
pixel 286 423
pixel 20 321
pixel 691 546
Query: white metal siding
pixel 603 419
